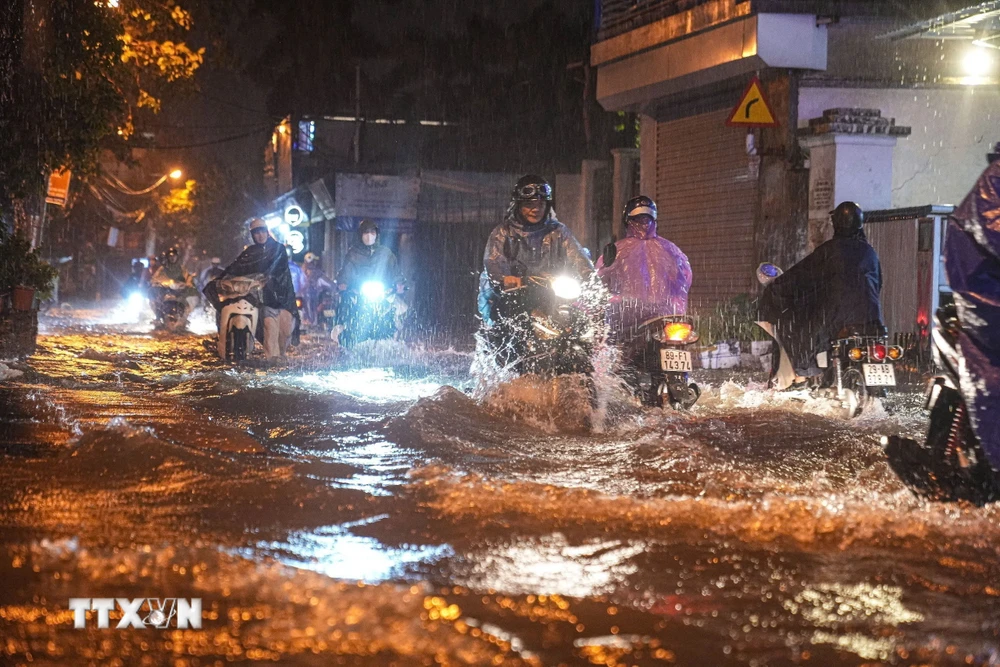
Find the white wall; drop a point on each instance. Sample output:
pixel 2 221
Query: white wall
pixel 953 129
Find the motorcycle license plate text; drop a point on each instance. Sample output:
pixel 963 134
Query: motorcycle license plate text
pixel 880 375
pixel 675 360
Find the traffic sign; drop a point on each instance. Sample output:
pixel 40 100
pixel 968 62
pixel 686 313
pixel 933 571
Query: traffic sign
pixel 753 109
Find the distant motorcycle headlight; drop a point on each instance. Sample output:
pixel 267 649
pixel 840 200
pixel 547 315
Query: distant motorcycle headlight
pixel 567 288
pixel 373 290
pixel 135 300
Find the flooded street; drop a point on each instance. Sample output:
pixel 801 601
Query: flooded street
pixel 364 509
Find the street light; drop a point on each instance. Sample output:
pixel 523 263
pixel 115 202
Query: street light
pixel 174 174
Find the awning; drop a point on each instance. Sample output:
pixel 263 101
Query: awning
pixel 978 23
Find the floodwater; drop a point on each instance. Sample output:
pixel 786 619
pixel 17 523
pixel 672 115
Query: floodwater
pixel 366 510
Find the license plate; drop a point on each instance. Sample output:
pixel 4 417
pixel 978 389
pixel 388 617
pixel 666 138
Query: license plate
pixel 880 375
pixel 675 361
pixel 329 313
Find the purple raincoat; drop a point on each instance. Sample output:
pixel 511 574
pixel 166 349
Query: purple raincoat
pixel 649 277
pixel 972 260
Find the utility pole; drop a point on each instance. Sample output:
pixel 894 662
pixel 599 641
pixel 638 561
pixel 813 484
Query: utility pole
pixel 357 114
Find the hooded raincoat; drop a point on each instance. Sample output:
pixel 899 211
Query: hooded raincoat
pixel 271 260
pixel 972 261
pixel 518 249
pixel 836 287
pixel 364 263
pixel 649 277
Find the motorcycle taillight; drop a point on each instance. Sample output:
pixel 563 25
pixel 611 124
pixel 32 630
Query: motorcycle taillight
pixel 878 352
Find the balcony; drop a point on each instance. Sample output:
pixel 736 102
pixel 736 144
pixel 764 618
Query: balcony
pixel 620 16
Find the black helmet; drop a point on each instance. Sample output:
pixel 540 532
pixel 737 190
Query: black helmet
pixel 531 187
pixel 367 226
pixel 171 254
pixel 641 205
pixel 995 155
pixel 848 219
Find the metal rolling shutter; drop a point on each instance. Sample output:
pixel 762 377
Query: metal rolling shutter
pixel 707 199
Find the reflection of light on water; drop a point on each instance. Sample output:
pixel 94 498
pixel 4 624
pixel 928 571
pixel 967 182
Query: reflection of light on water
pixel 202 322
pixel 835 605
pixel 337 553
pixel 551 565
pixel 372 384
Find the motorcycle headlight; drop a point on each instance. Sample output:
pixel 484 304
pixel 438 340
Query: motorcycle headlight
pixel 373 290
pixel 677 332
pixel 135 300
pixel 567 288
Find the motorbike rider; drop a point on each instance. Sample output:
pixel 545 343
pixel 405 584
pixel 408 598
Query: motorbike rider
pixel 835 288
pixel 972 261
pixel 648 275
pixel 367 260
pixel 267 256
pixel 133 284
pixel 314 282
pixel 171 269
pixel 529 242
pixel 210 272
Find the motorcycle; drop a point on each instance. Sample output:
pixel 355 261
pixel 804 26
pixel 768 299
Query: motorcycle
pixel 369 313
pixel 661 362
pixel 951 464
pixel 858 366
pixel 541 327
pixel 326 310
pixel 170 305
pixel 239 303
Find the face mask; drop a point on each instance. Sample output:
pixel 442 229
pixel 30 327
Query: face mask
pixel 369 238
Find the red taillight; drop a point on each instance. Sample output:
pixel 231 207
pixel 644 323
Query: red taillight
pixel 677 331
pixel 878 352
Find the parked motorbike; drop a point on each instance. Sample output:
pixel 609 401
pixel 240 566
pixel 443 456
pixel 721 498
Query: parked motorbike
pixel 239 299
pixel 369 313
pixel 659 362
pixel 950 465
pixel 170 305
pixel 541 328
pixel 857 367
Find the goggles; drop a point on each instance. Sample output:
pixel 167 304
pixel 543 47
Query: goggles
pixel 534 191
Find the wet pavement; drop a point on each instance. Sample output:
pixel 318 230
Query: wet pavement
pixel 365 509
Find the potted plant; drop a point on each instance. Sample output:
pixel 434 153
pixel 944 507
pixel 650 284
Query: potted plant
pixel 23 274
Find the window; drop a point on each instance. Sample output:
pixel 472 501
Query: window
pixel 307 133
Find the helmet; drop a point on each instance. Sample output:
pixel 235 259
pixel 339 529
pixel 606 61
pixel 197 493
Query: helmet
pixel 311 257
pixel 995 155
pixel 532 187
pixel 257 223
pixel 171 254
pixel 848 219
pixel 367 226
pixel 641 205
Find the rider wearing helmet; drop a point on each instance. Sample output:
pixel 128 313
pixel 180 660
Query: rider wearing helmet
pixel 267 256
pixel 529 242
pixel 648 275
pixel 834 288
pixel 368 260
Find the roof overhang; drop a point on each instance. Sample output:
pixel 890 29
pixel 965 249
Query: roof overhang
pixel 637 78
pixel 978 23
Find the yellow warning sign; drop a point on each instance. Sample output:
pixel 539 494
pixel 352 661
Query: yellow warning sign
pixel 753 109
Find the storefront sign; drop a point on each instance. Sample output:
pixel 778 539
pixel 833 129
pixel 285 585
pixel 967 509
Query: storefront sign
pixel 391 200
pixel 58 190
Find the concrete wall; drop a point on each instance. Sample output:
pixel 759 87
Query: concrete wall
pixel 953 130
